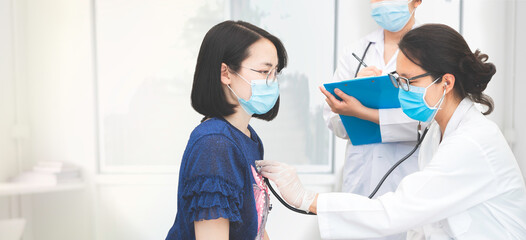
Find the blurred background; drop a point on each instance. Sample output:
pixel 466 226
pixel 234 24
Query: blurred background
pixel 102 88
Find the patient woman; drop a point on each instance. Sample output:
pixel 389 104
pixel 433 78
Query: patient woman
pixel 220 195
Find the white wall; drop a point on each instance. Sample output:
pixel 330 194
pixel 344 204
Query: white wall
pixel 7 100
pixel 7 90
pixel 516 106
pixel 497 28
pixel 54 72
pixel 477 24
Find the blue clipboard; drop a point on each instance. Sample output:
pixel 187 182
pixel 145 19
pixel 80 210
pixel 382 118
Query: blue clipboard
pixel 373 92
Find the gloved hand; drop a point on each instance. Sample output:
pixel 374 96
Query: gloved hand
pixel 288 183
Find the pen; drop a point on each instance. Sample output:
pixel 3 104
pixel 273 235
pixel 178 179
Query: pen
pixel 359 60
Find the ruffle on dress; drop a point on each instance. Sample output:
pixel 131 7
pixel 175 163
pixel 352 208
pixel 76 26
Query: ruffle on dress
pixel 211 197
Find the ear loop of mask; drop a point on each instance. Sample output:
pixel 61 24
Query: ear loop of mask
pixel 249 83
pixel 228 85
pixel 414 9
pixel 232 90
pixel 241 105
pixel 439 103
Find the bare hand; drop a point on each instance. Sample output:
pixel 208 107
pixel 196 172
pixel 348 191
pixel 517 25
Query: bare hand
pixel 348 106
pixel 370 71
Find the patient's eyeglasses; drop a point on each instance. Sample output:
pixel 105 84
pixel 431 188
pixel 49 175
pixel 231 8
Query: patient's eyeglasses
pixel 271 76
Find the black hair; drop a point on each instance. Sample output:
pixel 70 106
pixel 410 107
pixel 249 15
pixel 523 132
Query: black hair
pixel 227 42
pixel 439 49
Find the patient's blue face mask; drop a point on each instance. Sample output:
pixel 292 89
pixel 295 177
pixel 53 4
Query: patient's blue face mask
pixel 264 96
pixel 414 105
pixel 391 15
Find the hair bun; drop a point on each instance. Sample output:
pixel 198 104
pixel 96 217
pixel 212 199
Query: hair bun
pixel 481 72
pixel 478 72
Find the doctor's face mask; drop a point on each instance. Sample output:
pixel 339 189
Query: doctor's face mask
pixel 391 15
pixel 414 105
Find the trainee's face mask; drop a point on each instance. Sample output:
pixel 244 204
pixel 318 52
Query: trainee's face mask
pixel 414 105
pixel 263 97
pixel 391 15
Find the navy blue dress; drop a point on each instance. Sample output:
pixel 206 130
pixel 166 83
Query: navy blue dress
pixel 217 180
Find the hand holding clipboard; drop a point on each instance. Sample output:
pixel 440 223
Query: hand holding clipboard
pixel 349 106
pixel 357 101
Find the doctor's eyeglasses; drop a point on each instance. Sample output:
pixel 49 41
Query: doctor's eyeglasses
pixel 271 75
pixel 402 81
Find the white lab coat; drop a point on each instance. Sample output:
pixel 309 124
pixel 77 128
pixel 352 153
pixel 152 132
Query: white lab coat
pixel 469 187
pixel 365 165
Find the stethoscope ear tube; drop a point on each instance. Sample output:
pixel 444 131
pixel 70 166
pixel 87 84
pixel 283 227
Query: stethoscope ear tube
pixel 420 139
pixel 283 201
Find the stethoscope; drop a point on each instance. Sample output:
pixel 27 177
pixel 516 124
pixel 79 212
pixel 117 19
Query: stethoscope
pixel 420 138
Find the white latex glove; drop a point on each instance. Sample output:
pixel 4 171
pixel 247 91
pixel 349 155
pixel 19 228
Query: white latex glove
pixel 288 183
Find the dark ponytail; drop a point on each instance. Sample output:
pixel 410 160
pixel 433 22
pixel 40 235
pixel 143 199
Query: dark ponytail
pixel 439 49
pixel 479 73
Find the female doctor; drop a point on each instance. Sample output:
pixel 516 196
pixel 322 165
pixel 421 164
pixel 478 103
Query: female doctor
pixel 469 185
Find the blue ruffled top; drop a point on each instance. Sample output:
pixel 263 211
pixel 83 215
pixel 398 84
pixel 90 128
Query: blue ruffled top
pixel 216 180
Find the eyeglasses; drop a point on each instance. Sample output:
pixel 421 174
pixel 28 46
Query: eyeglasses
pixel 402 81
pixel 271 76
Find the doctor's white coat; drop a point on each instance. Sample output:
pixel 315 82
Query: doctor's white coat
pixel 469 187
pixel 366 164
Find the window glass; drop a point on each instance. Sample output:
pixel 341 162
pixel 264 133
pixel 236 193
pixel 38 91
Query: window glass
pixel 145 57
pixel 299 134
pixel 146 54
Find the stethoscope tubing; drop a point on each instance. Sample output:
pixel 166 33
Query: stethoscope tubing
pixel 420 139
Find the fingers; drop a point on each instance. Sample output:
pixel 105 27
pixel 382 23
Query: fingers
pixel 262 163
pixel 347 99
pixel 370 71
pixel 342 95
pixel 327 94
pixel 331 100
pixel 329 103
pixel 272 169
pixel 278 176
pixel 272 176
pixel 377 71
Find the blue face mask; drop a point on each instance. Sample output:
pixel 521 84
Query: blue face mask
pixel 263 97
pixel 414 105
pixel 391 15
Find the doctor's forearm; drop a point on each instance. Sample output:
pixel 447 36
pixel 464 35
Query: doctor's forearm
pixel 370 114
